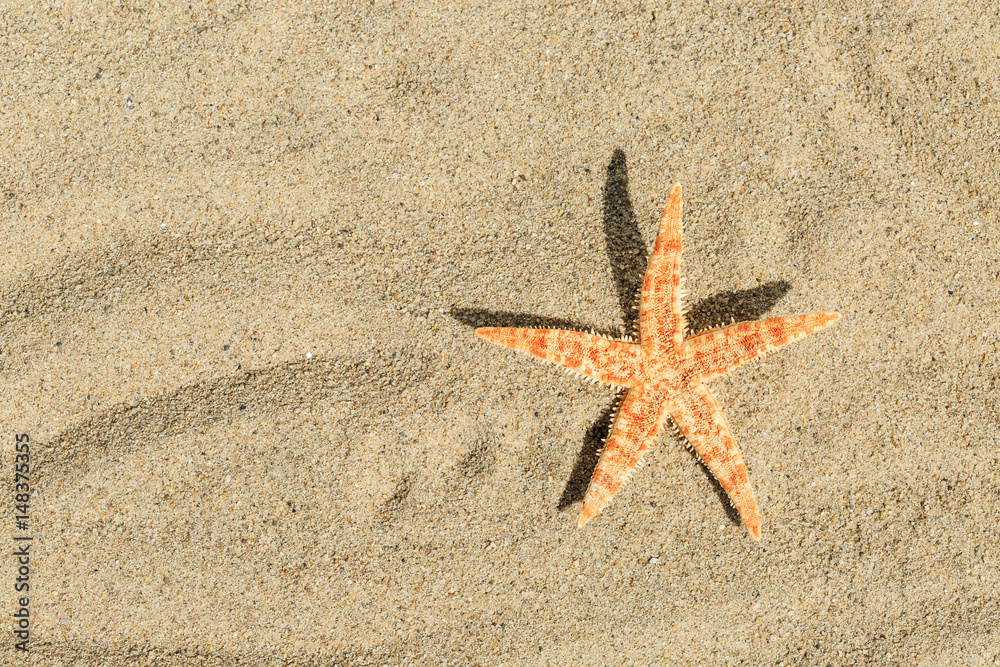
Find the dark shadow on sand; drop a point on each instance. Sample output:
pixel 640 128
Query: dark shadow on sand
pixel 126 427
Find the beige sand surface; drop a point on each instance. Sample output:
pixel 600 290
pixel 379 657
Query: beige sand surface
pixel 244 247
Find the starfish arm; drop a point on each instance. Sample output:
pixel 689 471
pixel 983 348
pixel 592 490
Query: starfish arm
pixel 661 320
pixel 636 425
pixel 609 361
pixel 717 351
pixel 700 420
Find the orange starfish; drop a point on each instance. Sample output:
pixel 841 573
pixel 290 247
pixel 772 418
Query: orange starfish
pixel 663 373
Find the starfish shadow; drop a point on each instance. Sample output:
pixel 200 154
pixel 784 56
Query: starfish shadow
pixel 741 305
pixel 731 513
pixel 625 247
pixel 586 460
pixel 627 254
pixel 477 317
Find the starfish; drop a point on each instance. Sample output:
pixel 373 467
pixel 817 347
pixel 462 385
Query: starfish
pixel 663 374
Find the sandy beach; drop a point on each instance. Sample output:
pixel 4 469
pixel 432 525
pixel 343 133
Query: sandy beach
pixel 245 247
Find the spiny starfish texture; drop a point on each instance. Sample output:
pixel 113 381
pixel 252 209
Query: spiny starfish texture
pixel 662 374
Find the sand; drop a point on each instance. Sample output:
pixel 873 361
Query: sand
pixel 244 248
